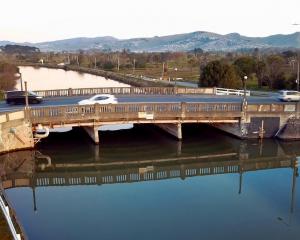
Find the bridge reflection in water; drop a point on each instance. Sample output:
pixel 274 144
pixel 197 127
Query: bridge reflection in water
pixel 100 166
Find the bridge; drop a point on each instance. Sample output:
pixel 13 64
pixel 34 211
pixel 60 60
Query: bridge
pixel 167 108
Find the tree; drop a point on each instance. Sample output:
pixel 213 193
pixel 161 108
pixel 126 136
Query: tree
pixel 8 76
pixel 245 66
pixel 260 71
pixel 219 74
pixel 275 65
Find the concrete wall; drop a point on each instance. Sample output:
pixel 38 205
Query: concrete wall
pixel 15 132
pixel 255 125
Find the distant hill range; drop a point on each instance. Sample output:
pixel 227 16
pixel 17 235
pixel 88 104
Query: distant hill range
pixel 19 49
pixel 181 42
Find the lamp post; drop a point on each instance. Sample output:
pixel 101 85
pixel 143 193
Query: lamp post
pixel 298 72
pixel 245 94
pixel 20 74
pixel 176 69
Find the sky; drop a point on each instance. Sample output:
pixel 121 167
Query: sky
pixel 47 20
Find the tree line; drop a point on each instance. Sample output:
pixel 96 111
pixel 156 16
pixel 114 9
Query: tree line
pixel 272 71
pixel 8 76
pixel 265 69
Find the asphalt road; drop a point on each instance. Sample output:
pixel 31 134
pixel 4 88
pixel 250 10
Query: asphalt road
pixel 62 101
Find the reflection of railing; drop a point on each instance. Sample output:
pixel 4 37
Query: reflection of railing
pixel 127 172
pixel 155 173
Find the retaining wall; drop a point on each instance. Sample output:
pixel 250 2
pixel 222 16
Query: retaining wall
pixel 15 132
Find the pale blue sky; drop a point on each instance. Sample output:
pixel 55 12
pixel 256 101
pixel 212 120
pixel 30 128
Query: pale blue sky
pixel 42 20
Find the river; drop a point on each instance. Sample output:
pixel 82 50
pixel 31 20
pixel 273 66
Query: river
pixel 141 183
pixel 47 78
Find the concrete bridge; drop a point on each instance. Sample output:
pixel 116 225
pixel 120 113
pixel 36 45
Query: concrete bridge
pixel 253 118
pixel 241 118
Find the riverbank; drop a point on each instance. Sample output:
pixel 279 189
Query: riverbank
pixel 4 230
pixel 132 80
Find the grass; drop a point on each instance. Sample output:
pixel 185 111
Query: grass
pixel 155 71
pixel 4 230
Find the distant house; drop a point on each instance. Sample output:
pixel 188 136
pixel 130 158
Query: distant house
pixel 61 64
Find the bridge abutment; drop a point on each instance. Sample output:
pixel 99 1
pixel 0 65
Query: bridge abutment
pixel 93 132
pixel 173 129
pixel 15 132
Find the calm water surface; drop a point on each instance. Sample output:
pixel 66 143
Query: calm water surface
pixel 47 78
pixel 142 184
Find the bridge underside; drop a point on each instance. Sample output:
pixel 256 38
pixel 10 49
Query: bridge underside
pixel 174 128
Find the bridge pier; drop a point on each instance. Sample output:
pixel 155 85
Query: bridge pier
pixel 93 133
pixel 173 129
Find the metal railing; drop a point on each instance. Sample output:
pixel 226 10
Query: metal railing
pixel 227 91
pixel 134 111
pixel 122 91
pixel 6 212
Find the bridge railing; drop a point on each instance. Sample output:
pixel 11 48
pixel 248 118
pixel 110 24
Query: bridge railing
pixel 134 111
pixel 273 107
pixel 9 216
pixel 122 91
pixel 227 91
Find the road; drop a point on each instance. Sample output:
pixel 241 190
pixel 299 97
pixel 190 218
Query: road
pixel 62 101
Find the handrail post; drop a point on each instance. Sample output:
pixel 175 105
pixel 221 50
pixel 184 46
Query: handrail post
pixel 70 92
pixel 27 110
pixel 183 109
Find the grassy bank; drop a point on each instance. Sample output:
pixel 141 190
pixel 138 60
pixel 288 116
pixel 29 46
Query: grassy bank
pixel 4 230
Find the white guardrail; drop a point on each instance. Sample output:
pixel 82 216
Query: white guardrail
pixel 6 213
pixel 227 91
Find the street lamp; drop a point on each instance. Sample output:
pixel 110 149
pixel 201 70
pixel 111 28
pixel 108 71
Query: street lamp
pixel 244 87
pixel 20 75
pixel 175 69
pixel 298 70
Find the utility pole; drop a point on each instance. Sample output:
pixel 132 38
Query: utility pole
pixel 298 74
pixel 26 97
pixel 95 62
pixel 118 67
pixel 21 81
pixel 133 65
pixel 163 70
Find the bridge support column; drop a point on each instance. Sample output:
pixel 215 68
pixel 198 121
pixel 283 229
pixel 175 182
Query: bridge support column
pixel 172 128
pixel 93 133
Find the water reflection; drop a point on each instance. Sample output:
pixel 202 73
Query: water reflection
pixel 143 167
pixel 46 78
pixel 99 165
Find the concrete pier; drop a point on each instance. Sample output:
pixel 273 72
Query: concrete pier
pixel 93 133
pixel 173 129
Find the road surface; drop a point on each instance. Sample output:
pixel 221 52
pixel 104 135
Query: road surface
pixel 62 101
